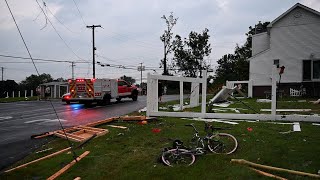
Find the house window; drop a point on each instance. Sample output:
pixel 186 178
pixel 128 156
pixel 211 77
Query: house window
pixel 306 70
pixel 316 69
pixel 276 62
pixel 311 70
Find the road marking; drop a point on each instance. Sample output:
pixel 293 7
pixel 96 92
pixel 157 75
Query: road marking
pixel 27 122
pixel 5 117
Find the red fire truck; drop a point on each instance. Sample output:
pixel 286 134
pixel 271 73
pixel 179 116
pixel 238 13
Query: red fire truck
pixel 87 91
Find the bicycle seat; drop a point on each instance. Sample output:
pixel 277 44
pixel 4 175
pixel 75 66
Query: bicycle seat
pixel 177 143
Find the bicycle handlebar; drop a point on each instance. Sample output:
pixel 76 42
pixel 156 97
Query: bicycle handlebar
pixel 193 127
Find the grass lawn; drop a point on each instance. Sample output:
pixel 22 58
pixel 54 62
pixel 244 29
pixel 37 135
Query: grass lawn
pixel 15 99
pixel 134 153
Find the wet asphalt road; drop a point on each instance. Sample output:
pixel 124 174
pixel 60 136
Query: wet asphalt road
pixel 20 120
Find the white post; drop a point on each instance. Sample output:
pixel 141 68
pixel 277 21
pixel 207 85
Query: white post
pixel 152 95
pixel 25 93
pixel 250 88
pixel 31 93
pixel 7 94
pixel 18 93
pixel 13 94
pixel 55 91
pixel 204 92
pixel 181 95
pixel 274 91
pixel 194 97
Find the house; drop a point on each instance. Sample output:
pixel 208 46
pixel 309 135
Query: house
pixel 55 89
pixel 293 41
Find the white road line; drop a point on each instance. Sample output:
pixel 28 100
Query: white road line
pixel 27 122
pixel 5 117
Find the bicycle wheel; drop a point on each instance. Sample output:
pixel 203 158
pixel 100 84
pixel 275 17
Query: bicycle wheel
pixel 178 157
pixel 222 143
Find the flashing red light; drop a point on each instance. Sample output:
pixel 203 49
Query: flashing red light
pixel 90 90
pixel 72 90
pixel 80 80
pixel 93 80
pixel 67 97
pixel 69 80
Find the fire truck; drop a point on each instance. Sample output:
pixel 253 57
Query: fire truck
pixel 87 91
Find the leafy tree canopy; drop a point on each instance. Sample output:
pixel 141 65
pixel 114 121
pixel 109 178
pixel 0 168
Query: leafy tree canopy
pixel 128 79
pixel 189 53
pixel 33 81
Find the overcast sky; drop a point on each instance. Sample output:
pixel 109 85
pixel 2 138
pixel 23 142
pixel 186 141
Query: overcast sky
pixel 130 33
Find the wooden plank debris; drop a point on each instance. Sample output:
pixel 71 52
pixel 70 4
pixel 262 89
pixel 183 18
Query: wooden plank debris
pixel 248 163
pixel 45 157
pixel 81 133
pixel 268 174
pixel 64 169
pixel 120 127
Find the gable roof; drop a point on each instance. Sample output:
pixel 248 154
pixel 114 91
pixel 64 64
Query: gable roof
pixel 289 10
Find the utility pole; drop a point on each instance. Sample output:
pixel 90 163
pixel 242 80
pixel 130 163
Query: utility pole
pixel 2 73
pixel 141 68
pixel 93 49
pixel 72 66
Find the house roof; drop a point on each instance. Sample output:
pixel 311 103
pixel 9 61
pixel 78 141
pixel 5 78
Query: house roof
pixel 292 8
pixel 54 83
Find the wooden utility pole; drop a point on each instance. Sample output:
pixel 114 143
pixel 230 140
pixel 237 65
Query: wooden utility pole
pixel 93 49
pixel 72 66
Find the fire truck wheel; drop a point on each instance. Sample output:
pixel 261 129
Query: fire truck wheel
pixel 107 99
pixel 134 95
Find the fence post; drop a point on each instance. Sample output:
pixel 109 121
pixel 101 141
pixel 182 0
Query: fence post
pixel 204 93
pixel 18 93
pixel 13 94
pixel 274 91
pixel 25 93
pixel 7 94
pixel 31 92
pixel 181 95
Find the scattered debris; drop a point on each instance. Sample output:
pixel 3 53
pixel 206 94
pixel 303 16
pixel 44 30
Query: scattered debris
pixel 251 164
pixel 296 127
pixel 163 108
pixel 215 120
pixel 143 110
pixel 264 100
pixel 287 110
pixel 249 129
pixel 80 133
pixel 45 157
pixel 302 100
pixel 120 127
pixel 267 174
pixel 43 150
pixel 156 130
pixel 316 102
pixel 316 124
pixel 224 104
pixel 286 132
pixel 64 169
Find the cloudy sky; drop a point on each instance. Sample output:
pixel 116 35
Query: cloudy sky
pixel 130 33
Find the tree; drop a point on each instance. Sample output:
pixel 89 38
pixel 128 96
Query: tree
pixel 128 79
pixel 236 66
pixel 189 54
pixel 166 39
pixel 33 81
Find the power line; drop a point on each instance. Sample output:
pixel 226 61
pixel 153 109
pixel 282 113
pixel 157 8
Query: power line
pixel 58 32
pixel 39 59
pixel 79 13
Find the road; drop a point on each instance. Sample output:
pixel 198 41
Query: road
pixel 20 120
